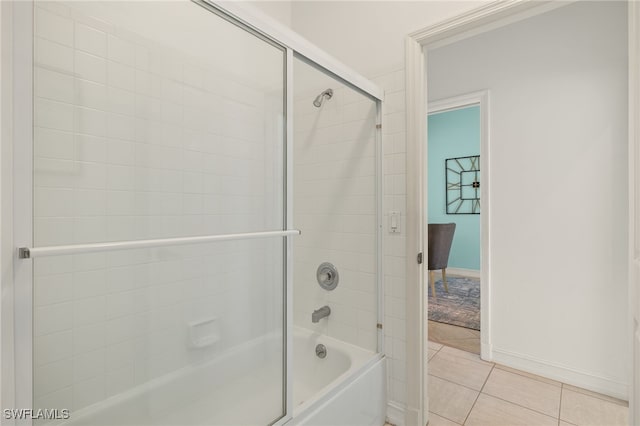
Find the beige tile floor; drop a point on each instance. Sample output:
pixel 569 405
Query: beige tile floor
pixel 464 390
pixel 455 337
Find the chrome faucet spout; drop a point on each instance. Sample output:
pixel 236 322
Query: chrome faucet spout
pixel 318 314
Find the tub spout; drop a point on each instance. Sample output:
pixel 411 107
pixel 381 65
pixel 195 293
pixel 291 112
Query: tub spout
pixel 318 314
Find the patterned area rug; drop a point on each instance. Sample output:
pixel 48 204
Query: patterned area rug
pixel 461 306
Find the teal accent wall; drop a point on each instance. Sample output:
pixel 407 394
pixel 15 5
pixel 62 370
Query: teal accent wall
pixel 452 134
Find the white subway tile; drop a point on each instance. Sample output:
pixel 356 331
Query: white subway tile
pixel 90 148
pixel 52 231
pixel 194 76
pixel 89 338
pixel 52 377
pixel 51 143
pixel 142 58
pixel 53 115
pixel 88 392
pixel 46 266
pixel 89 229
pixel 88 365
pixel 52 347
pixel 89 261
pixel 91 40
pixel 125 328
pixel 89 284
pixel 61 398
pixel 120 178
pixel 126 303
pixel 55 7
pixel 122 76
pixel 143 83
pixel 89 311
pixel 122 101
pixel 90 67
pixel 53 202
pixel 123 228
pixel 90 94
pixel 120 380
pixel 122 127
pixel 53 27
pixel 52 318
pixel 121 203
pixel 53 85
pixel 90 175
pixel 90 121
pixel 91 202
pixel 53 56
pixel 120 50
pixel 52 289
pixel 120 354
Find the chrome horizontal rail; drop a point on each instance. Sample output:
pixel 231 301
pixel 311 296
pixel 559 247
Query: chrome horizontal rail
pixel 32 252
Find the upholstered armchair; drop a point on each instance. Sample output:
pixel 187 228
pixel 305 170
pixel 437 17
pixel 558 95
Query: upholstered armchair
pixel 440 239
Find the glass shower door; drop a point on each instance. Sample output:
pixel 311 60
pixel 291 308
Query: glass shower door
pixel 156 122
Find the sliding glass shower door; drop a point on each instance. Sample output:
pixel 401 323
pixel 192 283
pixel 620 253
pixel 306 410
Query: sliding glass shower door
pixel 154 123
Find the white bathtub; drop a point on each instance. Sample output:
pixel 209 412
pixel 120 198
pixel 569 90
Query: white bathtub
pixel 347 387
pixel 239 388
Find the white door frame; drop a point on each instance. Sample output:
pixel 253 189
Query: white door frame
pixel 481 99
pixel 493 15
pixel 634 210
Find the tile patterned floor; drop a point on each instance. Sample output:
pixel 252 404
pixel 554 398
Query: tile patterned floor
pixel 464 390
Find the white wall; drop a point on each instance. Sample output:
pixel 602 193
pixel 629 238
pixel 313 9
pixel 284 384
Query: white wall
pixel 558 94
pixel 369 35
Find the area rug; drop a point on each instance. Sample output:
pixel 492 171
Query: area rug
pixel 461 306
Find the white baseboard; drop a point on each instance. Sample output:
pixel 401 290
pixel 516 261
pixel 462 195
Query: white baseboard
pixel 562 373
pixel 464 272
pixel 395 413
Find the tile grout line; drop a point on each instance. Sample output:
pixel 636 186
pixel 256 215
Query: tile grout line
pixel 479 393
pixel 596 395
pixel 560 405
pixel 457 384
pixel 518 405
pixel 520 373
pixel 476 361
pixel 447 418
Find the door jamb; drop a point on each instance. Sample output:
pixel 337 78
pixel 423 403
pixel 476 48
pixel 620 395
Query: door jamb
pixel 634 206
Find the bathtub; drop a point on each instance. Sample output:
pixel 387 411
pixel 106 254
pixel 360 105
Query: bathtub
pixel 347 388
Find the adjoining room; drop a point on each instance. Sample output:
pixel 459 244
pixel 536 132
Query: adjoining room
pixel 454 208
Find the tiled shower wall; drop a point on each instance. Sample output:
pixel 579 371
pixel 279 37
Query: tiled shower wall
pixel 335 208
pixel 394 172
pixel 133 141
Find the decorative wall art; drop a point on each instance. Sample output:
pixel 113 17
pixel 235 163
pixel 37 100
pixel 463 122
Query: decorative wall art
pixel 462 177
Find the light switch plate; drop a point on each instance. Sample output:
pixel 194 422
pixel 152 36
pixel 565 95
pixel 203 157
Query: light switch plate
pixel 394 222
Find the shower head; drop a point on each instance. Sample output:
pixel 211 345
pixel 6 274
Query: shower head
pixel 317 102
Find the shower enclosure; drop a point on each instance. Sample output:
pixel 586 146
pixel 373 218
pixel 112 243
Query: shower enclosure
pixel 166 159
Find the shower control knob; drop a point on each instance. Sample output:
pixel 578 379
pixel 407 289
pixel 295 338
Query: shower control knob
pixel 327 276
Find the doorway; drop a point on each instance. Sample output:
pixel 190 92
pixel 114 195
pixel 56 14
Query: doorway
pixel 454 188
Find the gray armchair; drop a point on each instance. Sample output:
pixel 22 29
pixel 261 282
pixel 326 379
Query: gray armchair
pixel 440 239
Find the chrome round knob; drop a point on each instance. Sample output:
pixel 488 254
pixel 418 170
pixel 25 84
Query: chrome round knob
pixel 327 276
